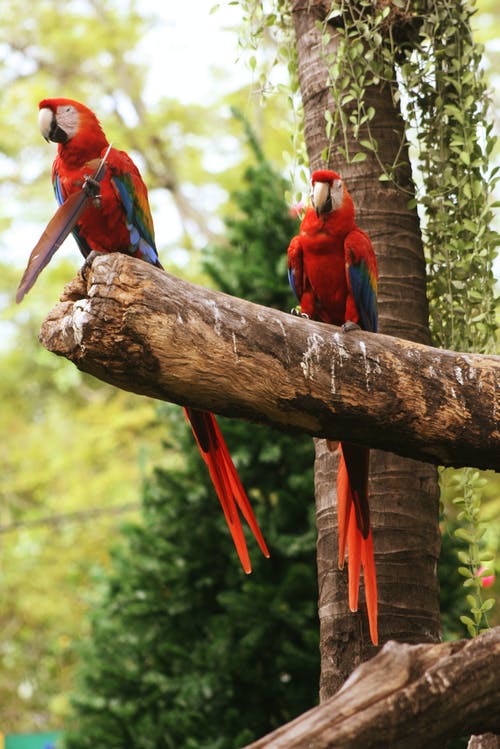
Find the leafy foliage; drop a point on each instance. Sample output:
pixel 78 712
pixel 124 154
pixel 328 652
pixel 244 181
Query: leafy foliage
pixel 186 650
pixel 455 143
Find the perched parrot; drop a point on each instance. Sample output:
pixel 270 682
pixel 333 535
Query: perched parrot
pixel 113 215
pixel 333 273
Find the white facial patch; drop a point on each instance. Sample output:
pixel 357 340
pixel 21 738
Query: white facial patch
pixel 68 118
pixel 337 194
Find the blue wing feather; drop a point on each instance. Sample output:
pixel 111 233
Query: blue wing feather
pixel 365 295
pixel 361 270
pixel 139 222
pixel 57 189
pixel 296 267
pixel 291 281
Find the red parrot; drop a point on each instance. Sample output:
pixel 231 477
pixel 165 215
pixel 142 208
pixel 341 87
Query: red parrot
pixel 333 273
pixel 112 214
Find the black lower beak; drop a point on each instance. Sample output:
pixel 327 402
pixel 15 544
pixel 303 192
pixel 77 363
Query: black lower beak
pixel 56 133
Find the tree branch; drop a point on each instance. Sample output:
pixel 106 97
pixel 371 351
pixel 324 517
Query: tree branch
pixel 407 697
pixel 144 330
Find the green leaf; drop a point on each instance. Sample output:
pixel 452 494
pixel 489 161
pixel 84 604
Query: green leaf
pixel 455 112
pixel 470 225
pixel 487 556
pixel 470 624
pixel 359 156
pixel 464 535
pixel 488 604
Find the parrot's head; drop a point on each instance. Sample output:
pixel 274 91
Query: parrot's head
pixel 327 191
pixel 67 121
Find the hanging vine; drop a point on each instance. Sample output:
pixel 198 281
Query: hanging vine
pixel 424 50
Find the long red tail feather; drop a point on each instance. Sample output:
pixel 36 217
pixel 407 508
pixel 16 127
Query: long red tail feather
pixel 354 530
pixel 370 578
pixel 355 543
pixel 226 482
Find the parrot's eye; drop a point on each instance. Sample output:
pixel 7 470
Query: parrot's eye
pixel 67 120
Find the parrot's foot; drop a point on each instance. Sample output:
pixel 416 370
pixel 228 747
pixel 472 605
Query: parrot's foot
pixel 296 311
pixel 93 189
pixel 88 264
pixel 348 326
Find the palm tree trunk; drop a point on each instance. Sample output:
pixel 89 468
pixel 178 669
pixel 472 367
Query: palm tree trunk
pixel 404 493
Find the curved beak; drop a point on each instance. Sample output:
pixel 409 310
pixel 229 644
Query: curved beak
pixel 49 128
pixel 321 197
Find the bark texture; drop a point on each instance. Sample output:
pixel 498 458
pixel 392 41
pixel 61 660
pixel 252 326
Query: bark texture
pixel 144 330
pixel 485 741
pixel 404 493
pixel 406 697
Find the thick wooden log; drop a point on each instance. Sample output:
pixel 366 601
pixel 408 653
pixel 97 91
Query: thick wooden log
pixel 406 697
pixel 144 330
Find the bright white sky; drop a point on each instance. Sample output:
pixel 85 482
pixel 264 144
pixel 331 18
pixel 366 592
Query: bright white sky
pixel 190 42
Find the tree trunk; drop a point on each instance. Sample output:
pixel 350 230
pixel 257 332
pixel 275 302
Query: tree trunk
pixel 404 493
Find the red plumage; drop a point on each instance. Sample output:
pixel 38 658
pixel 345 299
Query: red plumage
pixel 116 217
pixel 333 272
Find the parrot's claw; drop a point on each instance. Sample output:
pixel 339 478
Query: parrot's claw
pixel 88 264
pixel 296 311
pixel 348 326
pixel 93 189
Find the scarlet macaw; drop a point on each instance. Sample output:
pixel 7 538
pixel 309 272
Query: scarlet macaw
pixel 117 218
pixel 333 273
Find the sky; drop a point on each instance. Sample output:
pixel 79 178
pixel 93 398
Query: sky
pixel 198 42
